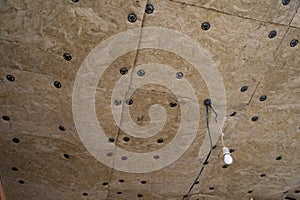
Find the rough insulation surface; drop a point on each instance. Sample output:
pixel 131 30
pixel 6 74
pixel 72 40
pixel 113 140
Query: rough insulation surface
pixel 51 148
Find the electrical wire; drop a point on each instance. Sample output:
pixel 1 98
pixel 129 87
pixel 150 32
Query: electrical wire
pixel 216 116
pixel 187 196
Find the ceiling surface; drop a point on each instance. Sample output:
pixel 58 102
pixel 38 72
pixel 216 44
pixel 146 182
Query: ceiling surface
pixel 93 107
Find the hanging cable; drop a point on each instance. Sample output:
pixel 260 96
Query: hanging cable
pixel 207 103
pixel 225 150
pixel 219 125
pixel 227 158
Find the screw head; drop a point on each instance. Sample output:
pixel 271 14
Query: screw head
pixel 124 158
pixel 244 88
pixel 129 102
pixel 132 17
pixel 294 43
pixel 272 34
pixel 149 9
pixel 207 102
pixel 254 118
pixel 10 78
pixel 117 102
pixel 57 84
pixel 285 2
pixel 123 71
pixel 179 75
pixel 109 154
pixel 263 98
pixel 205 26
pixel 141 72
pixel 67 56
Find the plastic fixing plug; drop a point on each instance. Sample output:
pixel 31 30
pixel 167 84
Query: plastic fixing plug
pixel 227 157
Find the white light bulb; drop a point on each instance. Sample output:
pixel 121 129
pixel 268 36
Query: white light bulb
pixel 228 159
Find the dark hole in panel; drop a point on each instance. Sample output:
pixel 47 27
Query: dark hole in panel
pixel 14 169
pixel 290 198
pixel 66 155
pixel 6 118
pixel 85 194
pixel 262 175
pixel 16 140
pixel 160 140
pixel 232 114
pixel 105 184
pixel 278 157
pixel 126 139
pixel 172 104
pixel 61 128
